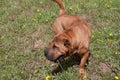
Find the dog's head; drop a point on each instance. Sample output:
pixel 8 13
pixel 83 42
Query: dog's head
pixel 58 48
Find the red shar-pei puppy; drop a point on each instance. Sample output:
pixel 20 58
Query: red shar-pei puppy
pixel 72 36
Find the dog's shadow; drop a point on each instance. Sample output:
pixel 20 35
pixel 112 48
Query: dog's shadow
pixel 64 65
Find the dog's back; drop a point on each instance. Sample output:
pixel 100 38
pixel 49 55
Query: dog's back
pixel 65 21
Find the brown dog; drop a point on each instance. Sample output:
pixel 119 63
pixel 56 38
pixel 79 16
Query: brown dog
pixel 72 37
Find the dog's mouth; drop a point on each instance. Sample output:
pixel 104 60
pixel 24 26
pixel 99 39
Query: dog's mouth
pixel 60 58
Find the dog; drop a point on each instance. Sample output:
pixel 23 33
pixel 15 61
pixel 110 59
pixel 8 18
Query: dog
pixel 72 36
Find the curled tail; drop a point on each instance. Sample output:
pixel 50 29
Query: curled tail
pixel 61 5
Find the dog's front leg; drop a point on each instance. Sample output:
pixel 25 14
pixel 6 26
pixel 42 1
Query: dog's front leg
pixel 84 58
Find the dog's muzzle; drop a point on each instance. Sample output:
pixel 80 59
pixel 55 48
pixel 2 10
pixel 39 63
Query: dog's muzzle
pixel 51 57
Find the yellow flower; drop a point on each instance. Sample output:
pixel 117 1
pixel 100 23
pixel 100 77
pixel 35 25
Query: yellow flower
pixel 40 14
pixel 93 36
pixel 36 71
pixel 46 20
pixel 110 1
pixel 41 2
pixel 110 34
pixel 34 19
pixel 22 72
pixel 85 77
pixel 47 78
pixel 38 10
pixel 23 26
pixel 116 78
pixel 116 52
pixel 70 8
pixel 100 32
pixel 108 6
pixel 2 37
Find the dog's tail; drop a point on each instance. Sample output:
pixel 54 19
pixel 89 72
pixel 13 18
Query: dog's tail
pixel 61 5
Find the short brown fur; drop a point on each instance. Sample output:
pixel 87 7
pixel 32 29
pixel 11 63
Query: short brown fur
pixel 72 37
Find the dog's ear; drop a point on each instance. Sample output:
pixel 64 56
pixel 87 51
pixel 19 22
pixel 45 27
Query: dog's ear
pixel 66 42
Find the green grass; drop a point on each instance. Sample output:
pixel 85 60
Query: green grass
pixel 25 29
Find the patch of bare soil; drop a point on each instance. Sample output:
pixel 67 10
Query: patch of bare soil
pixel 107 67
pixel 32 42
pixel 35 34
pixel 104 66
pixel 39 44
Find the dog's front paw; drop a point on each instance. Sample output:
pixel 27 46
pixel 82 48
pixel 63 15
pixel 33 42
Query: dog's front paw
pixel 82 73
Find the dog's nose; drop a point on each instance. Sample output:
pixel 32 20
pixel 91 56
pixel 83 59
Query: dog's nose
pixel 46 52
pixel 48 55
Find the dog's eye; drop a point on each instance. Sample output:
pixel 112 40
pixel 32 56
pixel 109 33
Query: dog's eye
pixel 54 46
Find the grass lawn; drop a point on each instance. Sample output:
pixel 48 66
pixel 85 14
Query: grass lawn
pixel 25 30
